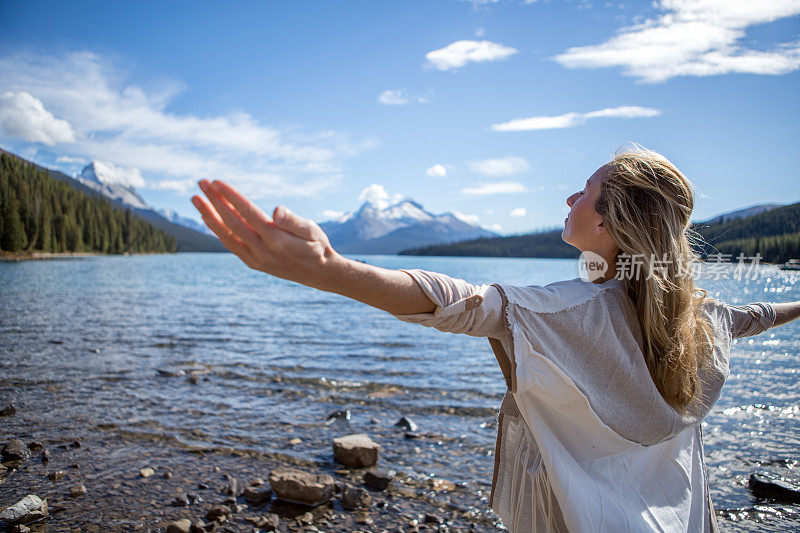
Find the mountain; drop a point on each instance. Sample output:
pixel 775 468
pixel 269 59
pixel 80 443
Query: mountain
pixel 743 213
pixel 773 233
pixel 186 222
pixel 387 230
pixel 103 179
pixel 113 184
pixel 96 180
pixel 45 214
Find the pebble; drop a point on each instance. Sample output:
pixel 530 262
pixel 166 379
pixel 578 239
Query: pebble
pixel 181 500
pixel 431 518
pixel 232 488
pixel 256 496
pixel 184 525
pixel 56 475
pixel 379 478
pixel 35 446
pixel 45 457
pixel 218 513
pixel 75 444
pixel 28 509
pixel 198 527
pixel 341 416
pixel 442 485
pixel 295 441
pixel 356 451
pixel 355 498
pixel 77 491
pixel 146 472
pixel 8 410
pixel 271 522
pixel 406 424
pixel 167 475
pixel 763 486
pixel 298 486
pixel 15 450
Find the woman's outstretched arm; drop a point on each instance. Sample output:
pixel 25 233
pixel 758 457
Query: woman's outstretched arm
pixel 786 312
pixel 295 248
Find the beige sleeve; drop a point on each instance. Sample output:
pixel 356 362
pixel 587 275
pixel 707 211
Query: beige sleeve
pixel 751 319
pixel 461 307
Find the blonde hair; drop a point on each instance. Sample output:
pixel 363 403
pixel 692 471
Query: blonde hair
pixel 646 203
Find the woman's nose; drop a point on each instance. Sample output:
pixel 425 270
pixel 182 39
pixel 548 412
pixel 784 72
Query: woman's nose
pixel 571 200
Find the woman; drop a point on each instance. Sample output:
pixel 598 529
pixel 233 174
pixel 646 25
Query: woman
pixel 608 381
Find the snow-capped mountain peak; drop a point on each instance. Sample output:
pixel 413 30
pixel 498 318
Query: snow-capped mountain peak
pixel 404 224
pixel 108 174
pixel 114 182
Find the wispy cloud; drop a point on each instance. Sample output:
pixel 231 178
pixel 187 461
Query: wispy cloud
pixel 693 38
pixel 336 216
pixel 498 187
pixel 401 97
pixel 570 120
pixel 24 116
pixel 436 171
pixel 130 126
pixel 505 166
pixel 459 53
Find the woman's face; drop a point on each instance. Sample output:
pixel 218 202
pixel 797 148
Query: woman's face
pixel 583 228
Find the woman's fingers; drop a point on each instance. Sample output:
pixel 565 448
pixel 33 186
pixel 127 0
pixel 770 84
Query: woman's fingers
pixel 213 221
pixel 260 222
pixel 297 225
pixel 232 219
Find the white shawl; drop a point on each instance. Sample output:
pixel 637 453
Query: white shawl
pixel 585 440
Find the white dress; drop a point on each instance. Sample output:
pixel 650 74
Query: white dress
pixel 585 441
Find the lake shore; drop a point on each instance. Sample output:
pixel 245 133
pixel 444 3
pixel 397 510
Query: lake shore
pixel 104 478
pixel 43 256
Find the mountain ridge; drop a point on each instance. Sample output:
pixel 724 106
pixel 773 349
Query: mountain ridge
pixel 376 229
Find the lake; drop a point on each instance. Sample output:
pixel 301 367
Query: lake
pixel 194 362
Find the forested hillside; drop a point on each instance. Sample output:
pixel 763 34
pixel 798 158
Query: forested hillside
pixel 40 213
pixel 774 234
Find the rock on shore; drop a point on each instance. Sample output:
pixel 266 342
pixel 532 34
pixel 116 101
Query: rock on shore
pixel 29 509
pixel 356 451
pixel 298 486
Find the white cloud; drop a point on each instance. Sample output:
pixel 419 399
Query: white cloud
pixel 469 219
pixel 693 38
pixel 498 187
pixel 336 216
pixel 394 97
pixel 505 166
pixel 459 53
pixel 131 126
pixel 496 228
pixel 403 97
pixel 518 212
pixel 376 195
pixel 70 160
pixel 436 171
pixel 569 120
pixel 25 117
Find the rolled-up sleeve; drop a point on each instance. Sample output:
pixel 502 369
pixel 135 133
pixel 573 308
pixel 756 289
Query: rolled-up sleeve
pixel 461 307
pixel 751 319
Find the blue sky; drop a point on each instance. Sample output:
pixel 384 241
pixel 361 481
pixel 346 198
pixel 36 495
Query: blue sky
pixel 497 111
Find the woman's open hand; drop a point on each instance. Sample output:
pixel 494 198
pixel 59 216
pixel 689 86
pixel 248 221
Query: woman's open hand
pixel 287 245
pixel 295 248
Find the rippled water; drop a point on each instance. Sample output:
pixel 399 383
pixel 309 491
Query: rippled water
pixel 103 344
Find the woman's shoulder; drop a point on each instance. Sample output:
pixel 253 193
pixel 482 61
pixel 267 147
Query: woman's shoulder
pixel 557 296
